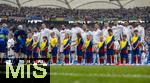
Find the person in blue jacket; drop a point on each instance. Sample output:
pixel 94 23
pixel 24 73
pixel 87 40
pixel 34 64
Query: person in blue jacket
pixel 20 37
pixel 148 43
pixel 3 41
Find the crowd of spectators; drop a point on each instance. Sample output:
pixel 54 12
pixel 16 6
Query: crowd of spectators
pixel 79 14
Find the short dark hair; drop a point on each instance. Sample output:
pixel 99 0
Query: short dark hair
pixel 110 30
pixel 44 37
pixel 135 31
pixel 79 35
pixel 124 35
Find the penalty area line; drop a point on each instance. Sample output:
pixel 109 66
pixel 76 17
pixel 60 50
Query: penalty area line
pixel 101 75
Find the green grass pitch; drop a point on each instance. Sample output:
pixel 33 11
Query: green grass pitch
pixel 99 74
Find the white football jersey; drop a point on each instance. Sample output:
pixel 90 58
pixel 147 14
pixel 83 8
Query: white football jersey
pixel 128 32
pixel 37 34
pixel 141 32
pixel 45 32
pixel 105 32
pixel 116 45
pixel 96 34
pixel 117 30
pixel 84 34
pixel 10 42
pixel 57 34
pixel 74 32
pixel 62 36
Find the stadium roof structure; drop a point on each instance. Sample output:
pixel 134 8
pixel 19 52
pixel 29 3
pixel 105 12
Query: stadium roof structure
pixel 79 4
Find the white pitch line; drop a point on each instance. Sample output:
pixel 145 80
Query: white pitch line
pixel 101 75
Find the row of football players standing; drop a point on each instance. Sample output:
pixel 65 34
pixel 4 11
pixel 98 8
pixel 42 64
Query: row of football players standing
pixel 111 44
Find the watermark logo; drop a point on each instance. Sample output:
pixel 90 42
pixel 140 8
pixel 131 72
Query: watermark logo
pixel 21 68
